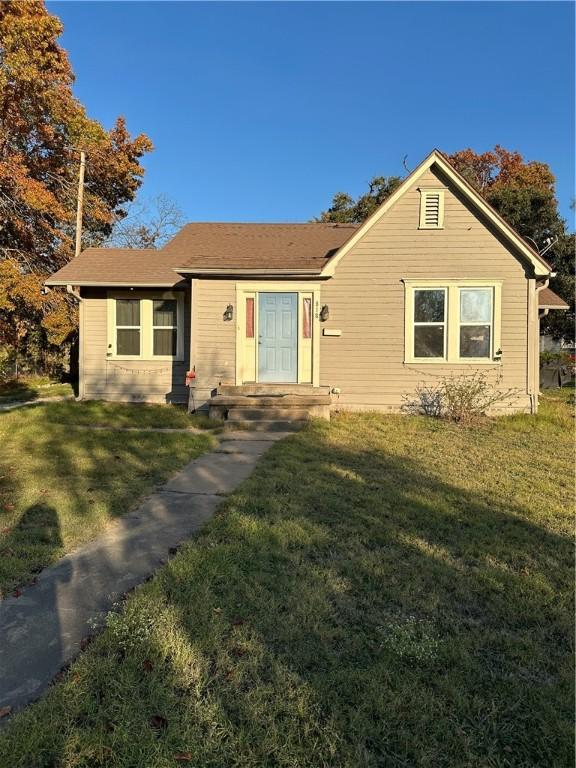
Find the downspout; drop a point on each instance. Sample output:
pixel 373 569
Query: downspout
pixel 72 292
pixel 536 372
pixel 80 300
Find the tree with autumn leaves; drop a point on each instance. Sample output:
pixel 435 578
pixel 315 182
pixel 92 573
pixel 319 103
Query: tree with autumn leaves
pixel 42 128
pixel 522 192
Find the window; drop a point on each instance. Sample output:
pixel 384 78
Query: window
pixel 453 321
pixel 164 327
pixel 431 208
pixel 475 322
pixel 145 325
pixel 429 322
pixel 128 327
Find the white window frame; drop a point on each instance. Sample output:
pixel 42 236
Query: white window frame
pixel 146 324
pixel 443 322
pixel 452 324
pixel 425 193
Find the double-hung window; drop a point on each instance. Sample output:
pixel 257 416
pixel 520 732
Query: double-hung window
pixel 128 329
pixel 146 325
pixel 430 322
pixel 164 327
pixel 452 321
pixel 476 319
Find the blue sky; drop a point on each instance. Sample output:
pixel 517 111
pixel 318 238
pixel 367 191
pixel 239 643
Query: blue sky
pixel 261 111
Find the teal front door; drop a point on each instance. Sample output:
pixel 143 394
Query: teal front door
pixel 278 337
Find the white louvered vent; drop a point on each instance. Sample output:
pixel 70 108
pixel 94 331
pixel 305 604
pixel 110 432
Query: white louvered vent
pixel 431 208
pixel 431 214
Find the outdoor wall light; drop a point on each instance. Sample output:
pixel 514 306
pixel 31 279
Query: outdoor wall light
pixel 228 312
pixel 325 313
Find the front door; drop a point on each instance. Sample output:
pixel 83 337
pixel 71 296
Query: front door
pixel 278 337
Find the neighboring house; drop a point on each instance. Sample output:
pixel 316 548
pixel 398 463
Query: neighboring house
pixel 434 283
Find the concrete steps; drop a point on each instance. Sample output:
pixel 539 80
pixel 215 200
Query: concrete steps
pixel 267 425
pixel 263 414
pixel 248 390
pixel 270 407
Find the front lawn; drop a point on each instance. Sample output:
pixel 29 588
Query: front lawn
pixel 104 414
pixel 61 485
pixel 32 388
pixel 384 591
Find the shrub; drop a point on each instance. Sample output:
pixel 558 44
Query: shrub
pixel 555 359
pixel 461 399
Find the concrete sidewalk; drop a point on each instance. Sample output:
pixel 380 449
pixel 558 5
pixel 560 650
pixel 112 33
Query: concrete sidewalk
pixel 15 404
pixel 42 630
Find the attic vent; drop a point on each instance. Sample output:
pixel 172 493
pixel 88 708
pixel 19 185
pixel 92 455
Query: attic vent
pixel 431 208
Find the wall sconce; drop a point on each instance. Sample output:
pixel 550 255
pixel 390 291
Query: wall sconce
pixel 325 313
pixel 228 312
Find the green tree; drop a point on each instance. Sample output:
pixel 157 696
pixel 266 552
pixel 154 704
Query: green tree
pixel 42 127
pixel 346 210
pixel 523 193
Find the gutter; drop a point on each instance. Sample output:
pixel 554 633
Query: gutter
pixel 248 272
pixel 108 284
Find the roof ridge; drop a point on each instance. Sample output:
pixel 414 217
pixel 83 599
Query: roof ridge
pixel 270 224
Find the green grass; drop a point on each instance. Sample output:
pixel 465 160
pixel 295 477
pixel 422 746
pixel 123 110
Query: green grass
pixel 383 591
pixel 31 388
pixel 60 485
pixel 100 413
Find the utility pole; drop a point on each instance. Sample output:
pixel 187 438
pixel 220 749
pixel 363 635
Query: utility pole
pixel 80 202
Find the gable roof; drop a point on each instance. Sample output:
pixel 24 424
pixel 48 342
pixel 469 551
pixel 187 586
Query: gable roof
pixel 236 248
pixel 275 249
pixel 118 267
pixel 436 158
pixel 547 299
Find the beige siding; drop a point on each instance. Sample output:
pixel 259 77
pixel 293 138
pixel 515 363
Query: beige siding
pixel 141 380
pixel 366 300
pixel 213 338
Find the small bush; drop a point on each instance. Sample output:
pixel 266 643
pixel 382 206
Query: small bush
pixel 461 399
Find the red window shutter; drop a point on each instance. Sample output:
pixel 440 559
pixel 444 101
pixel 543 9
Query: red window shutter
pixel 307 318
pixel 249 318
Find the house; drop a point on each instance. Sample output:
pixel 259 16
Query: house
pixel 316 316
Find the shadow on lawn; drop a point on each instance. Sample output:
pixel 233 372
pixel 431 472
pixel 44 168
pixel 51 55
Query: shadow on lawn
pixel 33 541
pixel 373 581
pixel 348 610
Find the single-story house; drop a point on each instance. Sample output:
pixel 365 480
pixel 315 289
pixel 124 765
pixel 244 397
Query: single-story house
pixel 317 315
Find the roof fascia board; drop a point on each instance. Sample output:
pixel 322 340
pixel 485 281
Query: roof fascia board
pixel 109 284
pixel 541 268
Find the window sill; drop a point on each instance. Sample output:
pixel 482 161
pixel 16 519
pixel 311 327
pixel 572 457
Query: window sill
pixel 139 359
pixel 444 361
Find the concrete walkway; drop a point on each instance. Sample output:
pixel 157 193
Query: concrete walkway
pixel 25 403
pixel 42 630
